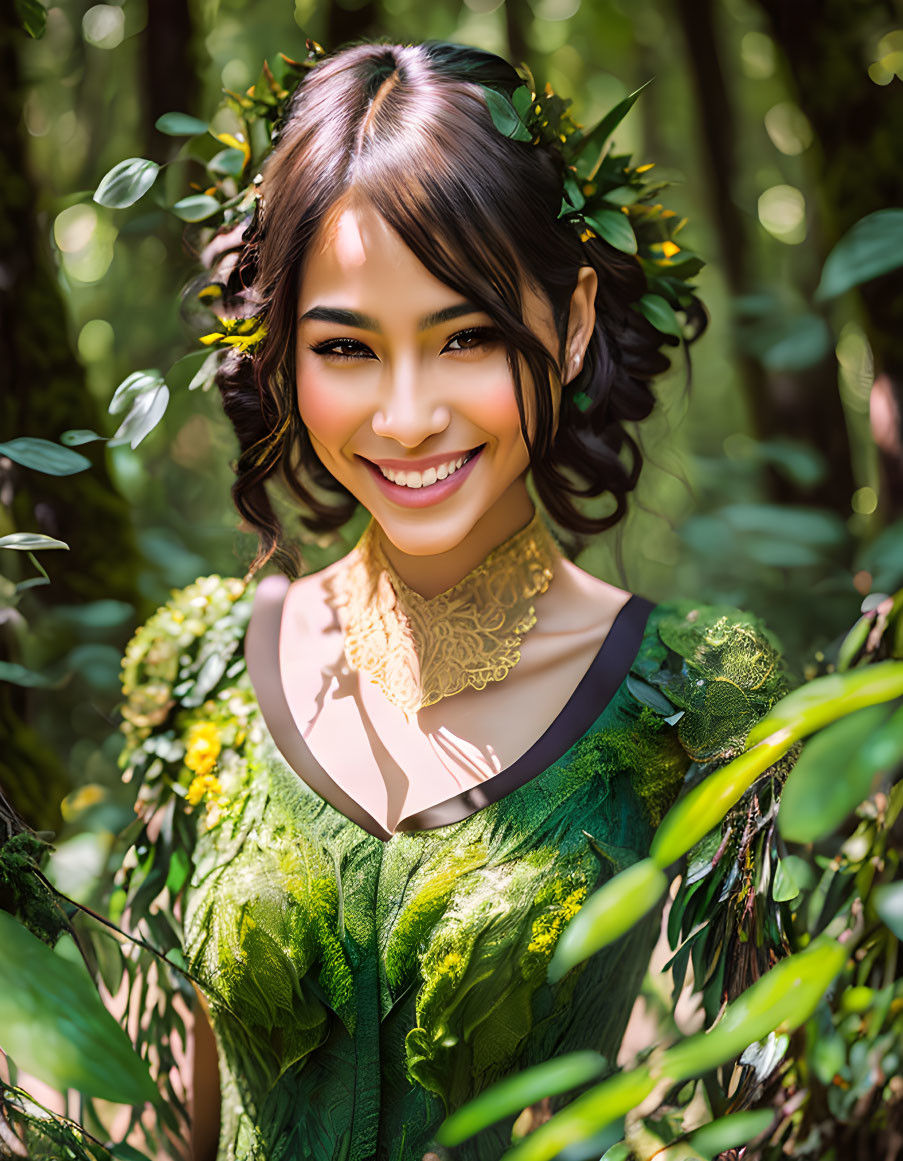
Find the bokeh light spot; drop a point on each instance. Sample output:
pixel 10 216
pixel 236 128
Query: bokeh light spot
pixel 104 26
pixel 782 211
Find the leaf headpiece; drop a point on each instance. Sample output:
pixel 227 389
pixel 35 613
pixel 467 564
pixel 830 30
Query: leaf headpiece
pixel 604 196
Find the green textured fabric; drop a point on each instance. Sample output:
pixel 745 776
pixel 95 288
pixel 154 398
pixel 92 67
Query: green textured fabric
pixel 361 989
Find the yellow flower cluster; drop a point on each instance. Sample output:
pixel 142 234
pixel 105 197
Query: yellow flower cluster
pixel 205 786
pixel 202 748
pixel 547 928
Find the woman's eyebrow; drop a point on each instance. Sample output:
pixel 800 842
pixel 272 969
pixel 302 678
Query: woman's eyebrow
pixel 353 318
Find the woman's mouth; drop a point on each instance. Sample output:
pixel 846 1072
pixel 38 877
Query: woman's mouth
pixel 418 489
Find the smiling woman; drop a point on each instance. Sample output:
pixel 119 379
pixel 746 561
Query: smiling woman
pixel 397 779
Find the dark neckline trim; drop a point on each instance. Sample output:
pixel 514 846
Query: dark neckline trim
pixel 593 694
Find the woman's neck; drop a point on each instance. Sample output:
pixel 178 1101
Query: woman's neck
pixel 431 575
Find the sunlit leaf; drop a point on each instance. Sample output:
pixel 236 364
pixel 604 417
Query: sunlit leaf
pixel 704 807
pixel 782 999
pixel 196 208
pixel 872 247
pixel 53 1024
pixel 836 771
pixel 30 541
pixel 731 1131
pixel 590 1112
pixel 147 396
pixel 126 182
pixel 514 1093
pixel 610 911
pixel 44 456
pixel 180 125
pixel 813 705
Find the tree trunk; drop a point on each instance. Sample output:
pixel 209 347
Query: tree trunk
pixel 804 405
pixel 859 126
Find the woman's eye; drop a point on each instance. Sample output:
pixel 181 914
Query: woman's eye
pixel 473 339
pixel 342 349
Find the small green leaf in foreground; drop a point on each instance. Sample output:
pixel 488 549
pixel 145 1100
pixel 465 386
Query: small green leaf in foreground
pixel 44 456
pixel 515 1093
pixel 610 911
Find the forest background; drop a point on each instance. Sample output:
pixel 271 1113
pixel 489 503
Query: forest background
pixel 773 482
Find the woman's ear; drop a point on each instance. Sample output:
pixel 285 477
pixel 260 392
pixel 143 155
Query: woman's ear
pixel 581 321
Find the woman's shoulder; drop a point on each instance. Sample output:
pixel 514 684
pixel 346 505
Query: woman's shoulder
pixel 721 667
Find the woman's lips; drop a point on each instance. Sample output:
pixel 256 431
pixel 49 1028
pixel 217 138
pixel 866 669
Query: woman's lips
pixel 429 493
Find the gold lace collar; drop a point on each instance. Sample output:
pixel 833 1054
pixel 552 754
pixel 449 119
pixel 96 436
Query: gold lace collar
pixel 419 650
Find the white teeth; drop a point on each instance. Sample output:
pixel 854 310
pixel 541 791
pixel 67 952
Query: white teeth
pixel 413 479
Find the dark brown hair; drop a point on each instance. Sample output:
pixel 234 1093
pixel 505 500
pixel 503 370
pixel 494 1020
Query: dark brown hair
pixel 407 128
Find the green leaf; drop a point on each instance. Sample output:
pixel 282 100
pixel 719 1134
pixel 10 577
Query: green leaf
pixel 731 1131
pixel 615 228
pixel 704 807
pixel 504 115
pixel 126 183
pixel 79 435
pixel 836 771
pixel 610 911
pixel 55 1026
pixel 661 314
pixel 228 161
pixel 148 396
pixel 196 208
pixel 515 1093
pixel 785 997
pixel 795 524
pixel 815 704
pixel 43 456
pixel 889 905
pixel 184 371
pixel 180 125
pixel 649 695
pixel 872 247
pixel 33 17
pixel 588 1114
pixel 28 678
pixel 522 99
pixel 30 541
pixel 598 136
pixel 795 343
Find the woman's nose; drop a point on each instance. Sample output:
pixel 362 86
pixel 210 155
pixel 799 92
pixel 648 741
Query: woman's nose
pixel 409 412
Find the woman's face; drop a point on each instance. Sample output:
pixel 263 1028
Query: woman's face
pixel 405 388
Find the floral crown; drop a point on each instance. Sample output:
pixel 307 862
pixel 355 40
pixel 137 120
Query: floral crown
pixel 604 196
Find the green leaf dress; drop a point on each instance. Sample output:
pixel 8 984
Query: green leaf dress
pixel 364 984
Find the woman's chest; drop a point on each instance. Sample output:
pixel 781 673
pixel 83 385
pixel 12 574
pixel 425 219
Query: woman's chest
pixel 394 764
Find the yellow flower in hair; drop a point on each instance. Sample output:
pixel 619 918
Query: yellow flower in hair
pixel 240 333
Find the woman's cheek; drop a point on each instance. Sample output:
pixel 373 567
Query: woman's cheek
pixel 494 405
pixel 326 413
